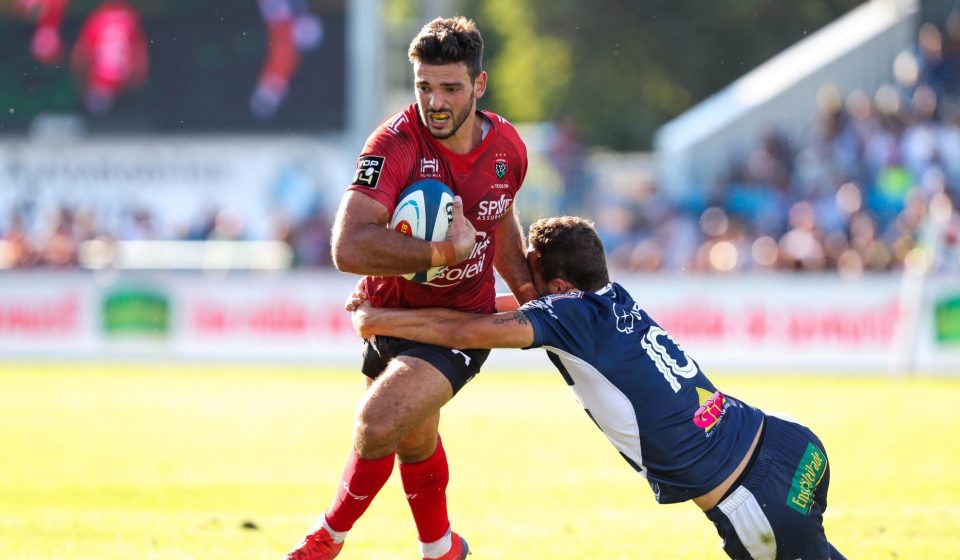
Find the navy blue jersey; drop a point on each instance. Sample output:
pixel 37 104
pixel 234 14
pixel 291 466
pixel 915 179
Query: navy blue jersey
pixel 650 399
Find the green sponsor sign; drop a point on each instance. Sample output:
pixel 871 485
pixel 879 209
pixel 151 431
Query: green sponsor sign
pixel 806 479
pixel 136 312
pixel 947 316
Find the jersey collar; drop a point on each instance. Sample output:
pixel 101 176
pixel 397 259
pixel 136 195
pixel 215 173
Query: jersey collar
pixel 605 289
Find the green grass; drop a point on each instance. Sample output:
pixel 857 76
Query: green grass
pixel 148 462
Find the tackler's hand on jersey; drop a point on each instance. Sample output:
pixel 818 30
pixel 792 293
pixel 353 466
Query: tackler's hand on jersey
pixel 362 315
pixel 356 298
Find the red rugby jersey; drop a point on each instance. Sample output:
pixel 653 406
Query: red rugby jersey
pixel 401 151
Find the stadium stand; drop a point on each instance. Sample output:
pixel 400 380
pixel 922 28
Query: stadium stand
pixel 875 176
pixel 874 173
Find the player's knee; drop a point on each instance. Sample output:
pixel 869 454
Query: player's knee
pixel 374 439
pixel 416 447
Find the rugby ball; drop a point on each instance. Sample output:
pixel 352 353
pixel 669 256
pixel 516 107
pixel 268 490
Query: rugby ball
pixel 424 210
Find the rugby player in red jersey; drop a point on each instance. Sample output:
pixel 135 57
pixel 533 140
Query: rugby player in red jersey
pixel 480 156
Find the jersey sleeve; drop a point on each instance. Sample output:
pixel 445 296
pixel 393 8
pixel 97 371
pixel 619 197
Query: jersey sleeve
pixel 524 161
pixel 384 166
pixel 565 322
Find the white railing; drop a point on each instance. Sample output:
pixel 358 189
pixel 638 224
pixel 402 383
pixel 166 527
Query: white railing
pixel 185 255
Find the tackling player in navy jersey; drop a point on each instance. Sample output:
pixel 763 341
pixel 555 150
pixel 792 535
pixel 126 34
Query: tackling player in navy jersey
pixel 762 480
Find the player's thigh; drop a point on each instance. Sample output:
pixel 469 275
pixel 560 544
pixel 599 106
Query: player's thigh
pixel 776 513
pixel 407 395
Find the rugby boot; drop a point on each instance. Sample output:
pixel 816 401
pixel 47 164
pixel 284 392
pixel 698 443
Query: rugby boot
pixel 318 545
pixel 458 549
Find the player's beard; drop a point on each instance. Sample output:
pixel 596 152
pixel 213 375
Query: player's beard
pixel 458 120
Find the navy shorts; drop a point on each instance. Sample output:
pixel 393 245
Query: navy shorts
pixel 458 366
pixel 776 512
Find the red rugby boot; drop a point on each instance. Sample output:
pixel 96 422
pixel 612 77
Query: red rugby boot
pixel 318 545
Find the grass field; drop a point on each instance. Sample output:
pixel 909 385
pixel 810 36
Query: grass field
pixel 148 462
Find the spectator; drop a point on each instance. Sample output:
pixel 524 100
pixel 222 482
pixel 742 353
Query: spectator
pixel 18 251
pixel 854 197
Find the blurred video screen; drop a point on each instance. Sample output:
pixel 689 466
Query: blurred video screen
pixel 201 66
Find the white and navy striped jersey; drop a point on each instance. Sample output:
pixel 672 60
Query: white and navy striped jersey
pixel 643 391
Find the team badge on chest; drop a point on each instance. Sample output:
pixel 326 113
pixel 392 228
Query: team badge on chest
pixel 500 167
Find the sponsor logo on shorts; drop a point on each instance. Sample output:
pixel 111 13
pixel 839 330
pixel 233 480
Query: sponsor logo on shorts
pixel 806 479
pixel 368 171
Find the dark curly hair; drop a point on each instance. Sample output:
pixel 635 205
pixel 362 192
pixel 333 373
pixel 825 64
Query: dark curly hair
pixel 448 41
pixel 570 248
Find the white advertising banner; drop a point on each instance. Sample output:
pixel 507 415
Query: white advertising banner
pixel 289 317
pixel 788 323
pixel 935 334
pixel 800 321
pixel 175 182
pixel 282 317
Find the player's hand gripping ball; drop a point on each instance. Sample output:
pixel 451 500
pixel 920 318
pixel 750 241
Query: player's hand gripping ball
pixel 424 210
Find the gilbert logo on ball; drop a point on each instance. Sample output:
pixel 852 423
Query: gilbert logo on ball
pixel 424 210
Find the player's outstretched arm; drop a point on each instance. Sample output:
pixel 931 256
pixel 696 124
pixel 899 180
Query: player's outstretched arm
pixel 445 327
pixel 363 245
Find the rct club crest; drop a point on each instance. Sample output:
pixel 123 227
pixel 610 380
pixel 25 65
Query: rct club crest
pixel 500 168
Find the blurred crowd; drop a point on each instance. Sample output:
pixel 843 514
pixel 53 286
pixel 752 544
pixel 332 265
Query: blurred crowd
pixel 878 176
pixel 875 186
pixel 57 240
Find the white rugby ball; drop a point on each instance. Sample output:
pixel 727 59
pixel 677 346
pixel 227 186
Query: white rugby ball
pixel 424 210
